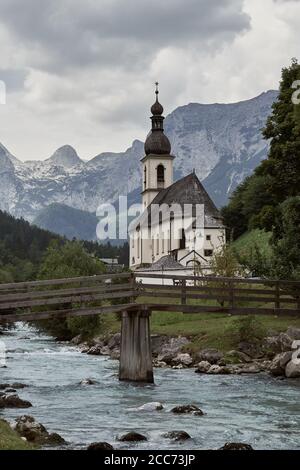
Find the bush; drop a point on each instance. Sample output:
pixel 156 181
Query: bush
pixel 247 329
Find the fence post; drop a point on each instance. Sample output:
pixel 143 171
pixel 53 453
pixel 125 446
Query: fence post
pixel 277 295
pixel 183 292
pixel 132 286
pixel 231 294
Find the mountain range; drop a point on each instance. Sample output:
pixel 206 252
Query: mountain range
pixel 221 142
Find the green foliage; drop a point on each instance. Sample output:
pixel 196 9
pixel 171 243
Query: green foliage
pixel 10 439
pixel 254 252
pixel 282 167
pixel 68 261
pixel 108 251
pixel 225 263
pixel 248 328
pixel 21 248
pixel 268 198
pixel 286 240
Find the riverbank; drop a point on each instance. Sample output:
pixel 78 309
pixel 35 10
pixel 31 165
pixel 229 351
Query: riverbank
pixel 211 343
pixel 10 439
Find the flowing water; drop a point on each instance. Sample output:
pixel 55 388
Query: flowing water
pixel 256 409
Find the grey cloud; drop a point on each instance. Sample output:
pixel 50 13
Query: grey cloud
pixel 118 33
pixel 13 79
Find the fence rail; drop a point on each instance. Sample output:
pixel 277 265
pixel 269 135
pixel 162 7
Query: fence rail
pixel 108 293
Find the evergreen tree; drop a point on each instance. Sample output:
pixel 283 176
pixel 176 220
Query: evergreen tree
pixel 281 169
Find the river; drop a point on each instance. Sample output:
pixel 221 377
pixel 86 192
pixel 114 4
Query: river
pixel 256 409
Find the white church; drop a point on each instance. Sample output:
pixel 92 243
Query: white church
pixel 160 240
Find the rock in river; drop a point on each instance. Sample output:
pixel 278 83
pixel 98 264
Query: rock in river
pixel 187 409
pixel 152 406
pixel 100 446
pixel 277 366
pixel 292 369
pixel 13 401
pixel 177 435
pixel 35 432
pixel 88 382
pixel 236 446
pixel 132 437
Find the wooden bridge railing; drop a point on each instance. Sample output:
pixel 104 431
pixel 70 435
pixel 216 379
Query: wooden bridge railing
pixel 196 294
pixel 80 296
pixel 110 293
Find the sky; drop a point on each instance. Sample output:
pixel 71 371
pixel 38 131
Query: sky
pixel 82 72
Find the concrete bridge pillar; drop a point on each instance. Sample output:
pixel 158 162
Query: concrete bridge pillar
pixel 136 354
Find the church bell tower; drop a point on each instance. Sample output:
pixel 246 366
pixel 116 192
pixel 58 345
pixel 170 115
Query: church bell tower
pixel 158 161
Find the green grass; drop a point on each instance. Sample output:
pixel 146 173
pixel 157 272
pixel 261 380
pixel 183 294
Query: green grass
pixel 10 440
pixel 247 242
pixel 213 330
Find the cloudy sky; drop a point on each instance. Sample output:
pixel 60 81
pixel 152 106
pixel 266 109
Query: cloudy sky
pixel 82 72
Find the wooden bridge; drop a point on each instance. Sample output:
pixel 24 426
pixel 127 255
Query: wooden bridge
pixel 135 300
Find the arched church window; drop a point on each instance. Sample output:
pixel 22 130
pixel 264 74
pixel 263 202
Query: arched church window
pixel 160 173
pixel 145 177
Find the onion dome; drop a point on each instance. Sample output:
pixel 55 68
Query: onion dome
pixel 156 108
pixel 158 144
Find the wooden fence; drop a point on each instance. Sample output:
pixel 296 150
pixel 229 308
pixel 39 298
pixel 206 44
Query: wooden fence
pixel 111 293
pixel 239 296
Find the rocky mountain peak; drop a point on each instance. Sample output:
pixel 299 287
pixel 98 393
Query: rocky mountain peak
pixel 6 160
pixel 65 156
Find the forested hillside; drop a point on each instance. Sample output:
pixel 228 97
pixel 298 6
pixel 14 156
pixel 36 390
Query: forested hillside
pixel 270 199
pixel 21 248
pixel 24 246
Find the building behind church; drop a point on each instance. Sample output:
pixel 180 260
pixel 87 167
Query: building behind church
pixel 160 240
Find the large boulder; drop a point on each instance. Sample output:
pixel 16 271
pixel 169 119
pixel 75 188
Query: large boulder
pixel 236 446
pixel 253 350
pixel 292 369
pixel 278 365
pixel 157 343
pixel 100 446
pixel 203 367
pixel 171 348
pixel 77 340
pixel 177 435
pixel 183 358
pixel 293 333
pixel 216 369
pixel 237 356
pixel 13 401
pixel 187 409
pixel 114 341
pixel 213 356
pixel 286 342
pixel 35 432
pixel 132 437
pixel 271 346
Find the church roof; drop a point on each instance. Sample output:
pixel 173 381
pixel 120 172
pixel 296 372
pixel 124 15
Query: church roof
pixel 164 263
pixel 189 190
